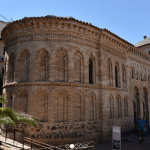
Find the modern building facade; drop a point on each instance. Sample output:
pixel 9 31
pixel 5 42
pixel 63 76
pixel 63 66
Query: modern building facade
pixel 79 80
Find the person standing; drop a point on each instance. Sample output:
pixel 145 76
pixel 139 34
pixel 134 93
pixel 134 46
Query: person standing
pixel 141 126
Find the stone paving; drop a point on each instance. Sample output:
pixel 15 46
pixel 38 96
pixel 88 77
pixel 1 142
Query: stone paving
pixel 9 145
pixel 128 142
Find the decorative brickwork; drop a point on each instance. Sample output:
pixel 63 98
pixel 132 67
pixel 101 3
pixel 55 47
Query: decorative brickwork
pixel 79 80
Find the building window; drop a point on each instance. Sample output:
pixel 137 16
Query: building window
pixel 91 72
pixel 110 73
pixel 149 52
pixel 111 107
pixel 116 76
pixel 119 107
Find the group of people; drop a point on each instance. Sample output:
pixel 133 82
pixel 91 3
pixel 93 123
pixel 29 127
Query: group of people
pixel 142 126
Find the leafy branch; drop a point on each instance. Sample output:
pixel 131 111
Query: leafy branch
pixel 11 117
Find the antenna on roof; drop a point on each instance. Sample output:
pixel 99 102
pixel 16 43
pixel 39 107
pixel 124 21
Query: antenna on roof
pixel 5 18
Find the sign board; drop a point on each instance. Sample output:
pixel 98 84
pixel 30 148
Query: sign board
pixel 116 138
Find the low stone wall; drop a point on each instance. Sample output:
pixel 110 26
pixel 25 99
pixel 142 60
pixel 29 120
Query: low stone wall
pixel 60 133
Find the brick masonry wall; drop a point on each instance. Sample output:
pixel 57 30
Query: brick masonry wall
pixel 47 75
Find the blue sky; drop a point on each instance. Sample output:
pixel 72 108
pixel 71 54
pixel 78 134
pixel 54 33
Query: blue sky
pixel 129 19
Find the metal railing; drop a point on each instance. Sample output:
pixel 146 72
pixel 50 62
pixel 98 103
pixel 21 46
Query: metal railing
pixel 14 129
pixel 43 146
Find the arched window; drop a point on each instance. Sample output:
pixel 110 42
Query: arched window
pixel 24 66
pixel 78 108
pixel 111 113
pixel 110 72
pixel 124 77
pixel 42 105
pixel 142 77
pixel 11 68
pixel 145 77
pixel 132 73
pixel 77 68
pixel 92 109
pixel 90 71
pixel 23 102
pixel 62 66
pixel 61 107
pixel 10 100
pixel 119 107
pixel 116 77
pixel 43 65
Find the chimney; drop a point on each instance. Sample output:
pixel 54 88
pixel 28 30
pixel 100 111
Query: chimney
pixel 145 37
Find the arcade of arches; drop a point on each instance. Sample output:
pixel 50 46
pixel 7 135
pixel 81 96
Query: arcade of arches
pixel 79 80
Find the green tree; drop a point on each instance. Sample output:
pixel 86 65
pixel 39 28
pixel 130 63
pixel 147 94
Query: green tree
pixel 11 117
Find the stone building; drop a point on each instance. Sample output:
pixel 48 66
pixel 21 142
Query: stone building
pixel 79 80
pixel 2 46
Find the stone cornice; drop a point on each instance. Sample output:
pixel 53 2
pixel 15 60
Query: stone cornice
pixel 113 51
pixel 52 36
pixel 110 40
pixel 92 86
pixel 114 88
pixel 139 54
pixel 114 41
pixel 50 23
pixel 139 60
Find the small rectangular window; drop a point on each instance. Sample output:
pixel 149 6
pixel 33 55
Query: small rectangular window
pixel 4 50
pixel 149 52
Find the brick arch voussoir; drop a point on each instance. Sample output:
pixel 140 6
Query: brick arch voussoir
pixel 118 96
pixel 60 49
pixel 78 52
pixel 91 93
pixel 22 92
pixel 45 51
pixel 22 54
pixel 117 65
pixel 11 56
pixel 135 84
pixel 61 91
pixel 109 62
pixel 111 95
pixel 78 92
pixel 93 58
pixel 144 86
pixel 9 93
pixel 42 92
pixel 24 51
